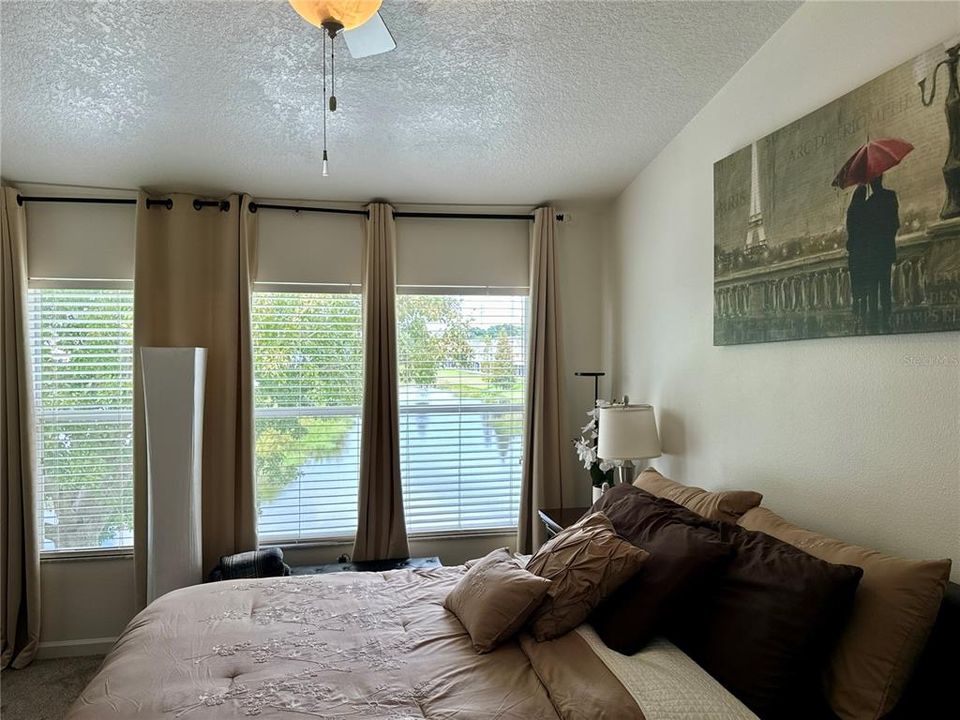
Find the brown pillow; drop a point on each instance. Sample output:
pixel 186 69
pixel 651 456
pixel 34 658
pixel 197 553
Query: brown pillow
pixel 727 505
pixel 894 609
pixel 494 598
pixel 685 561
pixel 585 562
pixel 766 628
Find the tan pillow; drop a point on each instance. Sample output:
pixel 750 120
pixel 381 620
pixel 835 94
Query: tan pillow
pixel 494 598
pixel 725 505
pixel 585 562
pixel 894 609
pixel 518 558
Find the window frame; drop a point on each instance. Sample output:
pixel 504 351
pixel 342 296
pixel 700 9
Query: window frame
pixel 124 552
pixel 127 552
pixel 473 290
pixel 299 289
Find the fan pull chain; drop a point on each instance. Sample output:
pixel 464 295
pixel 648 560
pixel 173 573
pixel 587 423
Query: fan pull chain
pixel 333 79
pixel 323 165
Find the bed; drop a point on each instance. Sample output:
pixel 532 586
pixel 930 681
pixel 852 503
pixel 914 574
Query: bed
pixel 378 646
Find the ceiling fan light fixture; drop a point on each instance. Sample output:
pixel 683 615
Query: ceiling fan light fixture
pixel 343 18
pixel 348 13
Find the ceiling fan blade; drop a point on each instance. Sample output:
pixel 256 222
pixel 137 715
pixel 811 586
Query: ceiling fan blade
pixel 371 38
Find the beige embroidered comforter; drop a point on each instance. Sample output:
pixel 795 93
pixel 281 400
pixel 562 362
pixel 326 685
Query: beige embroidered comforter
pixel 366 645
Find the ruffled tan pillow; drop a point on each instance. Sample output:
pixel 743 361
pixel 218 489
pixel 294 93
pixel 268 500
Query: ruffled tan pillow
pixel 495 598
pixel 585 563
pixel 727 505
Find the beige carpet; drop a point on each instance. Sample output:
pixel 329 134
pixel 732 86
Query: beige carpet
pixel 46 688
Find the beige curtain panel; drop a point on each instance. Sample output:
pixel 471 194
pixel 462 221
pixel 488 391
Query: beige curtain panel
pixel 542 478
pixel 194 277
pixel 19 551
pixel 381 530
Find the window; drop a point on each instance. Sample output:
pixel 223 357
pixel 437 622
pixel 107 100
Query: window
pixel 308 387
pixel 462 365
pixel 82 343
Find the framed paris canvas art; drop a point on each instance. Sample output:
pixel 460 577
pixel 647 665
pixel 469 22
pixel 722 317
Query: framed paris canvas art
pixel 847 221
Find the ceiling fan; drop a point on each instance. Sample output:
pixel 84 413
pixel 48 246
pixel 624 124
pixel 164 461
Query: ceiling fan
pixel 362 28
pixel 357 21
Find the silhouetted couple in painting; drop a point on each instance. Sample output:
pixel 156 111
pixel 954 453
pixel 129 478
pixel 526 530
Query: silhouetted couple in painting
pixel 872 225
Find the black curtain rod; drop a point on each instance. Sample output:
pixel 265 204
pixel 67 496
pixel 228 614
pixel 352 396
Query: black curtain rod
pixel 461 216
pixel 397 214
pixel 167 203
pixel 254 206
pixel 224 206
pixel 468 216
pixel 21 199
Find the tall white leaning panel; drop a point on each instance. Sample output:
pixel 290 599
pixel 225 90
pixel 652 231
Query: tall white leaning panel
pixel 173 380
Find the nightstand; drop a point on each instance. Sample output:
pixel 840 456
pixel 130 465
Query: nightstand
pixel 556 519
pixel 368 566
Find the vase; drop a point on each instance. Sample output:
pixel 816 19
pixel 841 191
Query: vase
pixel 597 493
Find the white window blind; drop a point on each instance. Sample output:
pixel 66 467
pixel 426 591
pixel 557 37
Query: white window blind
pixel 308 375
pixel 291 243
pixel 462 365
pixel 451 253
pixel 82 343
pixel 78 242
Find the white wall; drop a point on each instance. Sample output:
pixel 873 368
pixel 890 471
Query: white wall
pixel 847 436
pixel 86 603
pixel 580 245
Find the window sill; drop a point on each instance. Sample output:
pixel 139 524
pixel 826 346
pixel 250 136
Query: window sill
pixel 457 534
pixel 127 553
pixel 86 555
pixel 414 537
pixel 307 543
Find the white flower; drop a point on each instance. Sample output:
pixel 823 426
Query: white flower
pixel 586 444
pixel 586 453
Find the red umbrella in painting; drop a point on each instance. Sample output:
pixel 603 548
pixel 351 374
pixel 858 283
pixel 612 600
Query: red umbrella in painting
pixel 871 160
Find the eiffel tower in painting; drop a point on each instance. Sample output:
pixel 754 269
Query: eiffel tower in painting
pixel 756 236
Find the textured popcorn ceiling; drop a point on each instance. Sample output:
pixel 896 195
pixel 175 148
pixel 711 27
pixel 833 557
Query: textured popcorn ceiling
pixel 509 102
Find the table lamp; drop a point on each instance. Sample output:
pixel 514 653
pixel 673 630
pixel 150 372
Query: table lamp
pixel 627 432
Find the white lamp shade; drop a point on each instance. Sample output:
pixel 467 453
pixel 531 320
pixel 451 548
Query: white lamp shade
pixel 628 432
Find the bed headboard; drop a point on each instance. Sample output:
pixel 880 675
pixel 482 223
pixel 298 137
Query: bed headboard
pixel 932 689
